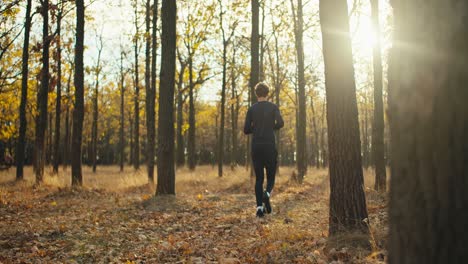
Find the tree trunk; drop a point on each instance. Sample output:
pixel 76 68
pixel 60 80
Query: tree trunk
pixel 316 134
pixel 180 151
pixel 42 96
pixel 428 198
pixel 150 99
pixel 277 101
pixel 78 111
pixel 302 119
pixel 166 173
pixel 254 51
pixel 94 135
pixel 223 100
pixel 192 124
pixel 365 129
pixel 67 143
pixel 49 141
pixel 347 199
pixel 131 126
pixel 261 70
pixel 222 119
pixel 378 146
pixel 234 155
pixel 254 69
pixel 153 79
pixel 20 151
pixel 58 106
pixel 136 131
pixel 323 143
pixel 122 114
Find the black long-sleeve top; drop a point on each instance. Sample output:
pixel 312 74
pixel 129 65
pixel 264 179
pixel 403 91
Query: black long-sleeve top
pixel 261 120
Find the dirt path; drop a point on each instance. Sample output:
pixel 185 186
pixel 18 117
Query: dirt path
pixel 207 225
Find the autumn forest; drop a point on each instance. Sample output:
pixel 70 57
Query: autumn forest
pixel 129 131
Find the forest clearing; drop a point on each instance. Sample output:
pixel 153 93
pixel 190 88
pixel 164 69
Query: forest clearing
pixel 115 219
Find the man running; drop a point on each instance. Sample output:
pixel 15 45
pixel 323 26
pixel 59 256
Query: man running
pixel 261 120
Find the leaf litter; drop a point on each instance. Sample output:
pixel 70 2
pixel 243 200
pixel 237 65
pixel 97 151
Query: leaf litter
pixel 212 222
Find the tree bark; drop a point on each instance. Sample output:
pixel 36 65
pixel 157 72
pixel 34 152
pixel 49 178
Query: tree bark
pixel 58 104
pixel 20 151
pixel 122 114
pixel 153 80
pixel 42 97
pixel 316 134
pixel 428 198
pixel 94 136
pixel 150 98
pixel 323 143
pixel 192 161
pixel 378 147
pixel 66 147
pixel 234 155
pixel 136 130
pixel 223 99
pixel 301 112
pixel 78 111
pixel 254 51
pixel 347 199
pixel 166 172
pixel 254 69
pixel 180 155
pixel 365 136
pixel 278 83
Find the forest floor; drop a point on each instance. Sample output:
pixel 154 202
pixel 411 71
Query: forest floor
pixel 115 218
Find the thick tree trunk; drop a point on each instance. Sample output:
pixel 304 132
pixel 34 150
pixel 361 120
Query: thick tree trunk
pixel 166 173
pixel 58 104
pixel 42 97
pixel 347 199
pixel 428 199
pixel 150 99
pixel 78 111
pixel 21 146
pixel 378 147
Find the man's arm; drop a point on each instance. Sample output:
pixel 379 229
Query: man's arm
pixel 248 123
pixel 279 123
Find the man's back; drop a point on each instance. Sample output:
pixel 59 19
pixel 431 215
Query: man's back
pixel 261 120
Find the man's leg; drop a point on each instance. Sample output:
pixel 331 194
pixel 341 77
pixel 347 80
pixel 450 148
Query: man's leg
pixel 270 164
pixel 271 168
pixel 257 161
